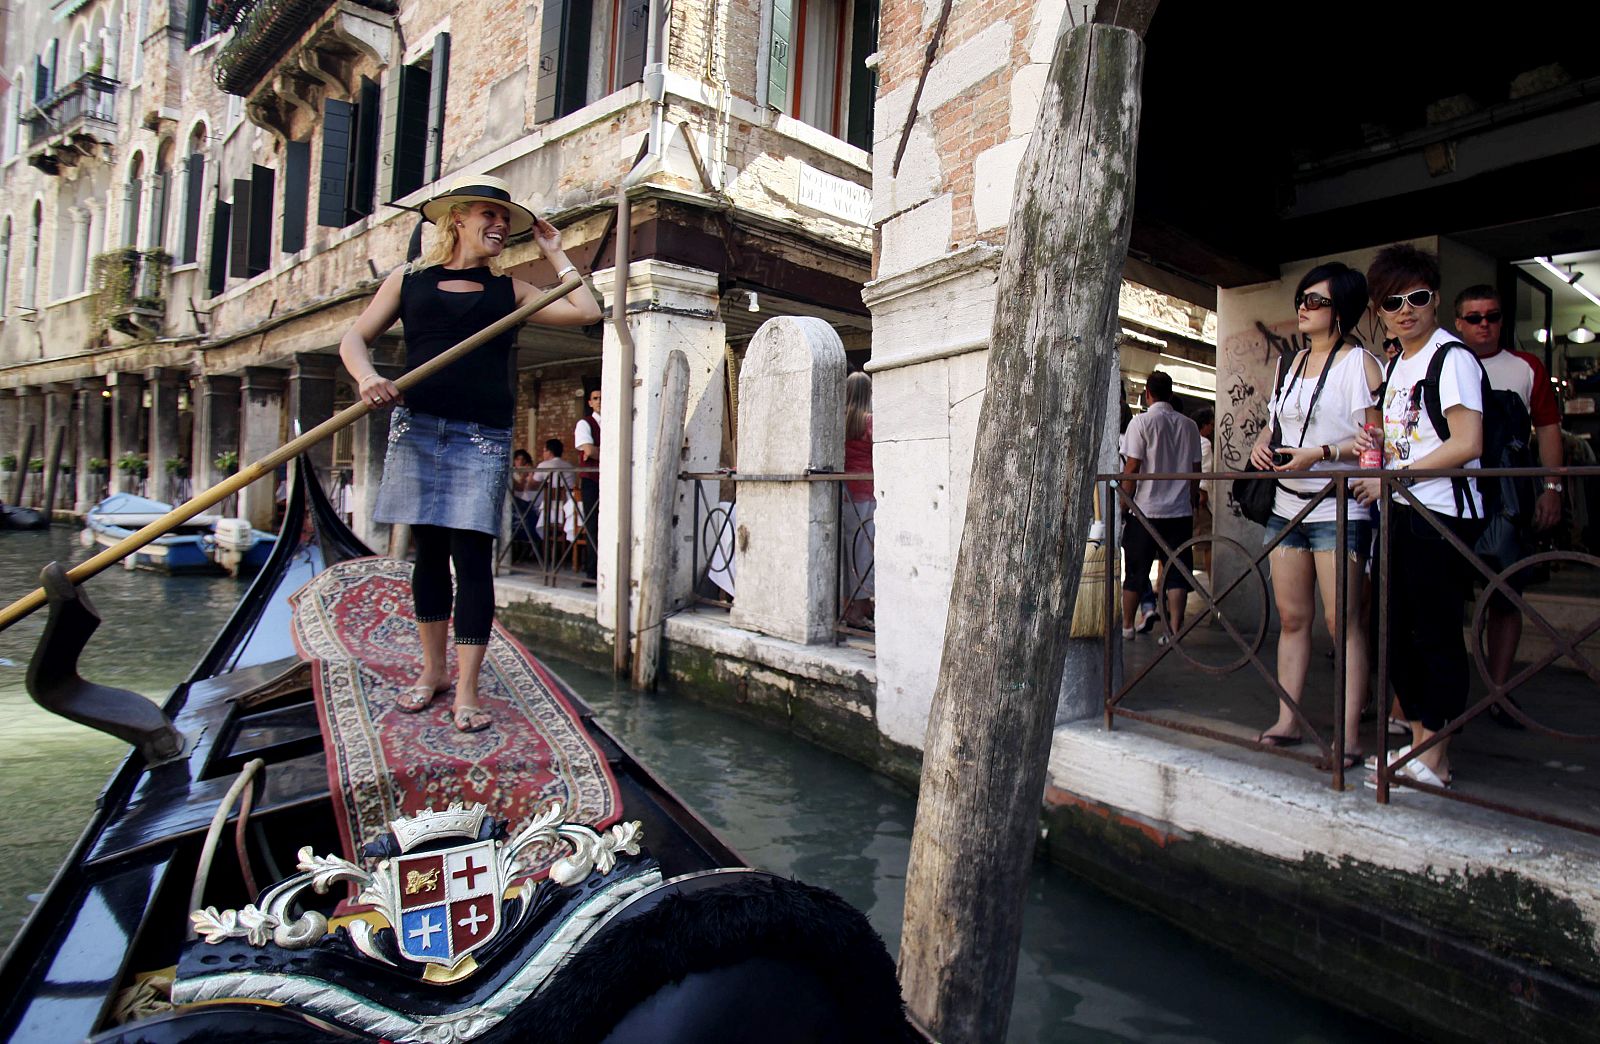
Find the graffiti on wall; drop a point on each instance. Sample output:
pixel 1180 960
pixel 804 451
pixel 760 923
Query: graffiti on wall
pixel 1252 357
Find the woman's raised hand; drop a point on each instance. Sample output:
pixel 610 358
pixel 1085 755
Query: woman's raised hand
pixel 547 236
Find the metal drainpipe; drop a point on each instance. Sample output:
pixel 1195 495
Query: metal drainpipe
pixel 655 89
pixel 623 460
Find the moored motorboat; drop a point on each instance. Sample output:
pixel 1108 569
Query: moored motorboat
pixel 363 893
pixel 204 544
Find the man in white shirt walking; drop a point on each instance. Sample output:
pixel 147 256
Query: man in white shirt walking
pixel 1159 441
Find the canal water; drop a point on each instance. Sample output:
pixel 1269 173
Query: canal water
pixel 1092 968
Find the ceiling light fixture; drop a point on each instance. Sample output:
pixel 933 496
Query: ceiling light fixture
pixel 1566 275
pixel 1582 333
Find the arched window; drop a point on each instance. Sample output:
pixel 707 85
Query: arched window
pixel 160 191
pixel 5 268
pixel 194 182
pixel 131 195
pixel 30 273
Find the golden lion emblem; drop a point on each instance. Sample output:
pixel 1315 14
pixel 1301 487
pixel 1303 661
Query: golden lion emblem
pixel 417 881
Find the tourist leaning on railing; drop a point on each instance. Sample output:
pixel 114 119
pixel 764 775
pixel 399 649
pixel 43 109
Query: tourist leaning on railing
pixel 1428 580
pixel 1320 407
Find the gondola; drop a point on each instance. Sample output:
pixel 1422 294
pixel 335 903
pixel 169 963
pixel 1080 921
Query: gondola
pixel 215 892
pixel 21 518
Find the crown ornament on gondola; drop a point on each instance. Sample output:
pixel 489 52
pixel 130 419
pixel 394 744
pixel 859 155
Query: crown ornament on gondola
pixel 437 901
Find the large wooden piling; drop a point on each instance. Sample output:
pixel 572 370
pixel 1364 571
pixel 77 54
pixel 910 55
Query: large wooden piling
pixel 1052 351
pixel 655 570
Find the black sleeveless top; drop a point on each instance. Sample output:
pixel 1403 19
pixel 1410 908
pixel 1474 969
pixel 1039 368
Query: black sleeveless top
pixel 480 386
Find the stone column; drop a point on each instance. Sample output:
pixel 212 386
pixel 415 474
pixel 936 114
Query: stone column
pixel 791 420
pixel 260 423
pixel 128 428
pixel 10 430
pixel 91 442
pixel 671 307
pixel 57 419
pixel 78 264
pixel 163 385
pixel 311 380
pixel 216 425
pixel 369 444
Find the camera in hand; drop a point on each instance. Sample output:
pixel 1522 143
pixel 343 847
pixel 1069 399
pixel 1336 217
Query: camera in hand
pixel 1281 457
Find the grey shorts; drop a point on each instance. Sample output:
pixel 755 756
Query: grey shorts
pixel 441 472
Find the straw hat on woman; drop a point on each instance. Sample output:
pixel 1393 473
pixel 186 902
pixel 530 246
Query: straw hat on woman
pixel 445 473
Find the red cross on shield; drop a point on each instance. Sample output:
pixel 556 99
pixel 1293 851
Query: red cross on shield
pixel 449 902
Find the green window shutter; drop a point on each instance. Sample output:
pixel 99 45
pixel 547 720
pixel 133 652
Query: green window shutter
pixel 563 59
pixel 217 276
pixel 363 183
pixel 337 122
pixel 635 38
pixel 296 194
pixel 780 54
pixel 239 247
pixel 195 188
pixel 549 67
pixel 438 82
pixel 262 180
pixel 411 130
pixel 863 81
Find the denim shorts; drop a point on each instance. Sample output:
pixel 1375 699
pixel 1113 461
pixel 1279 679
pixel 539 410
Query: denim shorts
pixel 1321 536
pixel 441 472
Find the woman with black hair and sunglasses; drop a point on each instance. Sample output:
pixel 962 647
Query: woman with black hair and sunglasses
pixel 1326 394
pixel 1428 667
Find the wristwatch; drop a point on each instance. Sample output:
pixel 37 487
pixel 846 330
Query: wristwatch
pixel 1552 486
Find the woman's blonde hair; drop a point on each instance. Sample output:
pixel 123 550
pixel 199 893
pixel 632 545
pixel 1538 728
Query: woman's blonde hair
pixel 857 404
pixel 445 237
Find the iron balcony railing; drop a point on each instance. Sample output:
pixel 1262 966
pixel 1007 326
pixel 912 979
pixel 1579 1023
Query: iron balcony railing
pixel 554 535
pixel 1328 749
pixel 88 100
pixel 264 31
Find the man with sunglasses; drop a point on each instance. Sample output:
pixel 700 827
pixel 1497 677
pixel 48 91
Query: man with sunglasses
pixel 1479 325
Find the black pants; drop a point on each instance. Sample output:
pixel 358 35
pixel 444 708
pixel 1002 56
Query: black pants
pixel 1427 588
pixel 473 553
pixel 1140 551
pixel 591 525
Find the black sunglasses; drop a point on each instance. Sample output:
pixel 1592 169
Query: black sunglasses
pixel 1473 318
pixel 1312 302
pixel 1416 299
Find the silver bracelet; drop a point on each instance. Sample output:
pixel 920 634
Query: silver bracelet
pixel 561 273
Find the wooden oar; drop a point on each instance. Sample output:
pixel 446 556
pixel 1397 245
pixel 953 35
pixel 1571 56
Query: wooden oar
pixel 288 451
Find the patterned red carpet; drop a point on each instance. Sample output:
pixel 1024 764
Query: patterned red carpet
pixel 355 623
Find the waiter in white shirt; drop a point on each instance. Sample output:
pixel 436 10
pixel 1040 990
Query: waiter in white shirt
pixel 586 438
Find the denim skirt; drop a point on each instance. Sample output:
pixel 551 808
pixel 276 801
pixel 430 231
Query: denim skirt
pixel 440 472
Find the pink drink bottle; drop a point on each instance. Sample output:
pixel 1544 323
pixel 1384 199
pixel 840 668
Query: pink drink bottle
pixel 1373 457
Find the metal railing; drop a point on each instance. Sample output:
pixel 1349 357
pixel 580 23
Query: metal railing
pixel 91 97
pixel 713 553
pixel 1329 750
pixel 553 535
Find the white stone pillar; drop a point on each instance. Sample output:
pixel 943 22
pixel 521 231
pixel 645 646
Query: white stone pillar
pixel 791 421
pixel 369 444
pixel 670 307
pixel 260 423
pixel 79 261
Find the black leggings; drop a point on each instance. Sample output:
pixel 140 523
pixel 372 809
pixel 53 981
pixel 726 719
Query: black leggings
pixel 1428 663
pixel 473 553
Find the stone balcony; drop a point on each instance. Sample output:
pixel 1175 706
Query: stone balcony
pixel 77 122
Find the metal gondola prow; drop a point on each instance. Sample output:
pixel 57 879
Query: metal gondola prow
pixel 55 685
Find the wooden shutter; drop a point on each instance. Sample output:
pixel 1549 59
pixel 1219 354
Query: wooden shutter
pixel 217 277
pixel 41 81
pixel 195 186
pixel 195 30
pixel 863 81
pixel 411 130
pixel 780 55
pixel 337 122
pixel 261 194
pixel 159 192
pixel 549 68
pixel 239 244
pixel 635 38
pixel 438 82
pixel 296 194
pixel 363 182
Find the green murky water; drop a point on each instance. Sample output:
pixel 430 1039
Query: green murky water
pixel 1092 968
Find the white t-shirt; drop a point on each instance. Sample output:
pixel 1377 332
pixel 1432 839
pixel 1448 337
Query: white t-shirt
pixel 1164 441
pixel 1339 414
pixel 1408 432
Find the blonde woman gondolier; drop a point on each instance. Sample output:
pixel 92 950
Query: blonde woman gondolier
pixel 450 444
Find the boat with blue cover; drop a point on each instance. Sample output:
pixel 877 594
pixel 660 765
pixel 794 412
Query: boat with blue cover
pixel 204 544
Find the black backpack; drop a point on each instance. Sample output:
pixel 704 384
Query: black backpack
pixel 1507 443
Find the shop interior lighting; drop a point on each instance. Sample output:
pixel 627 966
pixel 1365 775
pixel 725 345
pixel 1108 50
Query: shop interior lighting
pixel 1583 333
pixel 1566 275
